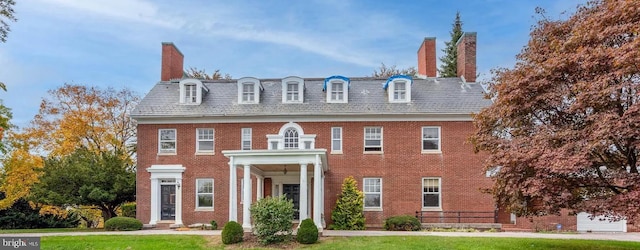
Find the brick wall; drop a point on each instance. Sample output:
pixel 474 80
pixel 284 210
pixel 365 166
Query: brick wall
pixel 427 57
pixel 401 167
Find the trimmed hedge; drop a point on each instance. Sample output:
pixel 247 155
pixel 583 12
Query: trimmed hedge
pixel 122 224
pixel 232 233
pixel 308 232
pixel 402 223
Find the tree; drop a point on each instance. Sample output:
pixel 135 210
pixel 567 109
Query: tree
pixel 449 66
pixel 349 211
pixel 18 173
pixel 85 177
pixel 384 71
pixel 564 127
pixel 194 72
pixel 6 15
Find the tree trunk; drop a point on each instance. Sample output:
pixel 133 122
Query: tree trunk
pixel 108 213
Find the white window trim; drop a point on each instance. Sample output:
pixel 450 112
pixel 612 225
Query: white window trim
pixel 276 141
pixel 364 181
pixel 293 80
pixel 333 140
pixel 391 85
pixel 364 140
pixel 243 139
pixel 200 91
pixel 175 142
pixel 439 207
pixel 257 89
pixel 431 151
pixel 213 203
pixel 205 152
pixel 345 91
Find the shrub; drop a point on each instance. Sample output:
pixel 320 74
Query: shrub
pixel 129 209
pixel 273 219
pixel 23 215
pixel 402 223
pixel 122 224
pixel 214 225
pixel 308 232
pixel 348 213
pixel 232 233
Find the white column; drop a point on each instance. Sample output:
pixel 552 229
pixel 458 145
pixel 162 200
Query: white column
pixel 322 200
pixel 233 191
pixel 178 219
pixel 260 187
pixel 246 203
pixel 317 194
pixel 304 194
pixel 154 201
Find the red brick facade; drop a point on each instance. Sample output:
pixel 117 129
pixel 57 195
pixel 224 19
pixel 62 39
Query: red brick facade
pixel 466 60
pixel 401 166
pixel 427 57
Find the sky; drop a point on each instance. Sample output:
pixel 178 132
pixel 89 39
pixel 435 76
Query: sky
pixel 117 43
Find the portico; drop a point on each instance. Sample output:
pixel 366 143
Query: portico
pixel 280 165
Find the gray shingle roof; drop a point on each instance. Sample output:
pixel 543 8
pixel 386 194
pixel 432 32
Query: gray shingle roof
pixel 366 96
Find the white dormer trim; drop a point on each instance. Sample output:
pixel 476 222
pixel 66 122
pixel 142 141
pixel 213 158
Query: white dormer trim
pixel 333 94
pixel 277 142
pixel 295 81
pixel 256 87
pixel 398 88
pixel 186 91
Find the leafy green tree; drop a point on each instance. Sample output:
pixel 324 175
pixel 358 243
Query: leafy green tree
pixel 6 15
pixel 194 72
pixel 349 211
pixel 384 71
pixel 449 66
pixel 104 180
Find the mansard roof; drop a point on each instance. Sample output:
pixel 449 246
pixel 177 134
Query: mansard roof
pixel 366 97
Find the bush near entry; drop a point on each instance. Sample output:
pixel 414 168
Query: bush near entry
pixel 122 224
pixel 232 233
pixel 273 219
pixel 308 232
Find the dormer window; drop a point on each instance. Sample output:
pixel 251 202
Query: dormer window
pixel 337 89
pixel 192 91
pixel 249 90
pixel 292 90
pixel 399 88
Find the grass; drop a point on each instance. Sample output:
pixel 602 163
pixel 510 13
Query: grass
pixel 49 230
pixel 383 242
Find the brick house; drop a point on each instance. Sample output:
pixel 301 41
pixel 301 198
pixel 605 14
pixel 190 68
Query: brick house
pixel 207 149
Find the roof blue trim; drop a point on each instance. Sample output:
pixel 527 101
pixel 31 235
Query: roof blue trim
pixel 391 79
pixel 326 80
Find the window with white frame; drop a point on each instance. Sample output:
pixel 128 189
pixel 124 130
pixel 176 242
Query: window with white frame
pixel 246 139
pixel 400 91
pixel 291 138
pixel 336 139
pixel 166 141
pixel 204 142
pixel 398 88
pixel 292 92
pixel 337 91
pixel 190 92
pixel 431 195
pixel 372 189
pixel 248 92
pixel 373 139
pixel 204 193
pixel 431 139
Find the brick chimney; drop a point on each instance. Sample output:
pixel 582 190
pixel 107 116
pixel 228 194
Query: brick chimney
pixel 172 62
pixel 466 61
pixel 427 58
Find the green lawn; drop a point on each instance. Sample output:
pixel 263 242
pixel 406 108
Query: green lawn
pixel 49 230
pixel 388 242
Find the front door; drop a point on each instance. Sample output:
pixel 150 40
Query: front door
pixel 292 192
pixel 168 202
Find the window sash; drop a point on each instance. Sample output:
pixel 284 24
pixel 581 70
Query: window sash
pixel 246 139
pixel 190 93
pixel 292 92
pixel 431 138
pixel 337 91
pixel 248 92
pixel 291 139
pixel 205 140
pixel 336 139
pixel 373 139
pixel 372 189
pixel 167 140
pixel 204 193
pixel 431 192
pixel 400 91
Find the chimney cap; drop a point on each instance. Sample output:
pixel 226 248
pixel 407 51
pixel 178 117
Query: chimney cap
pixel 172 45
pixel 466 34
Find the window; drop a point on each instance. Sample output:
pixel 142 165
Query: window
pixel 204 193
pixel 248 92
pixel 204 142
pixel 190 93
pixel 400 91
pixel 372 189
pixel 337 91
pixel 373 139
pixel 291 138
pixel 336 139
pixel 167 141
pixel 431 139
pixel 292 92
pixel 246 139
pixel 431 193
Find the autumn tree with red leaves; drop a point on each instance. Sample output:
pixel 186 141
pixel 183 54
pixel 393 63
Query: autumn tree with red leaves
pixel 564 127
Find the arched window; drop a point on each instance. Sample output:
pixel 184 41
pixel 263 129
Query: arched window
pixel 291 138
